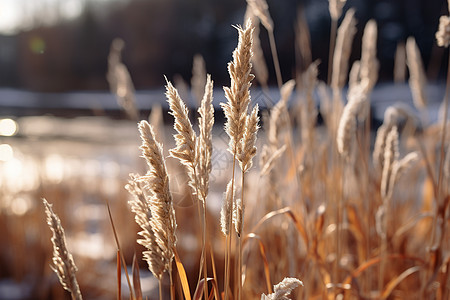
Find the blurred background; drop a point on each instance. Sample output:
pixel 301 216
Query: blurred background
pixel 63 136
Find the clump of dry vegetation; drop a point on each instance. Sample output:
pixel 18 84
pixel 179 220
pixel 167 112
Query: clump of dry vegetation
pixel 328 213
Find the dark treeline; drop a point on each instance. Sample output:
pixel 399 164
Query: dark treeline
pixel 162 36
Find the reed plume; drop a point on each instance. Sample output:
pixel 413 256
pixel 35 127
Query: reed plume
pixel 391 155
pixel 247 149
pixel 443 33
pixel 283 289
pixel 185 138
pixel 347 125
pixel 140 206
pixel 198 80
pixel 335 7
pixel 63 263
pixel 417 79
pixel 260 9
pixel 309 112
pixel 227 208
pixel 238 94
pixel 119 80
pixel 400 63
pixel 343 50
pixel 204 141
pixel 258 60
pixel 156 181
pixel 369 63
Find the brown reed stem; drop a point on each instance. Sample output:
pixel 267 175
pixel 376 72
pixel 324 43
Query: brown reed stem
pixel 276 62
pixel 331 50
pixel 160 289
pixel 228 239
pixel 239 258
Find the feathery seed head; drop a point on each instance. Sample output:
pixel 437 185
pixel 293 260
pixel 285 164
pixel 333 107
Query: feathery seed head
pixel 343 49
pixel 443 33
pixel 227 207
pixel 238 94
pixel 283 289
pixel 335 8
pixel 247 148
pixel 63 263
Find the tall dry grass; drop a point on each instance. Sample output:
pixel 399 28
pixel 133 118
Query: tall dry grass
pixel 350 218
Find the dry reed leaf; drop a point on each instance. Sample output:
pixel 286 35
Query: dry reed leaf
pixel 288 212
pixel 397 280
pixel 270 162
pixel 262 251
pixel 183 277
pixel 136 278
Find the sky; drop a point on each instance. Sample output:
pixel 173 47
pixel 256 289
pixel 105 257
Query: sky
pixel 16 15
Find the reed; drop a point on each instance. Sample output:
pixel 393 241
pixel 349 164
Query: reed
pixel 63 263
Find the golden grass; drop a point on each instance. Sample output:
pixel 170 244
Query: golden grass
pixel 322 207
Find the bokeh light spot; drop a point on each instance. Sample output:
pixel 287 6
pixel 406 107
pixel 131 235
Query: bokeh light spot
pixel 8 127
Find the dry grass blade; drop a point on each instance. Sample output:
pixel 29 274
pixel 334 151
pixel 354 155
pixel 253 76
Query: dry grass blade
pixel 136 278
pixel 397 280
pixel 376 260
pixel 183 278
pixel 119 276
pixel 116 238
pixel 270 163
pixel 262 250
pixel 63 264
pixel 200 286
pixel 287 211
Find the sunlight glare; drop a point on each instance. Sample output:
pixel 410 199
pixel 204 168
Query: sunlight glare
pixel 6 152
pixel 8 127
